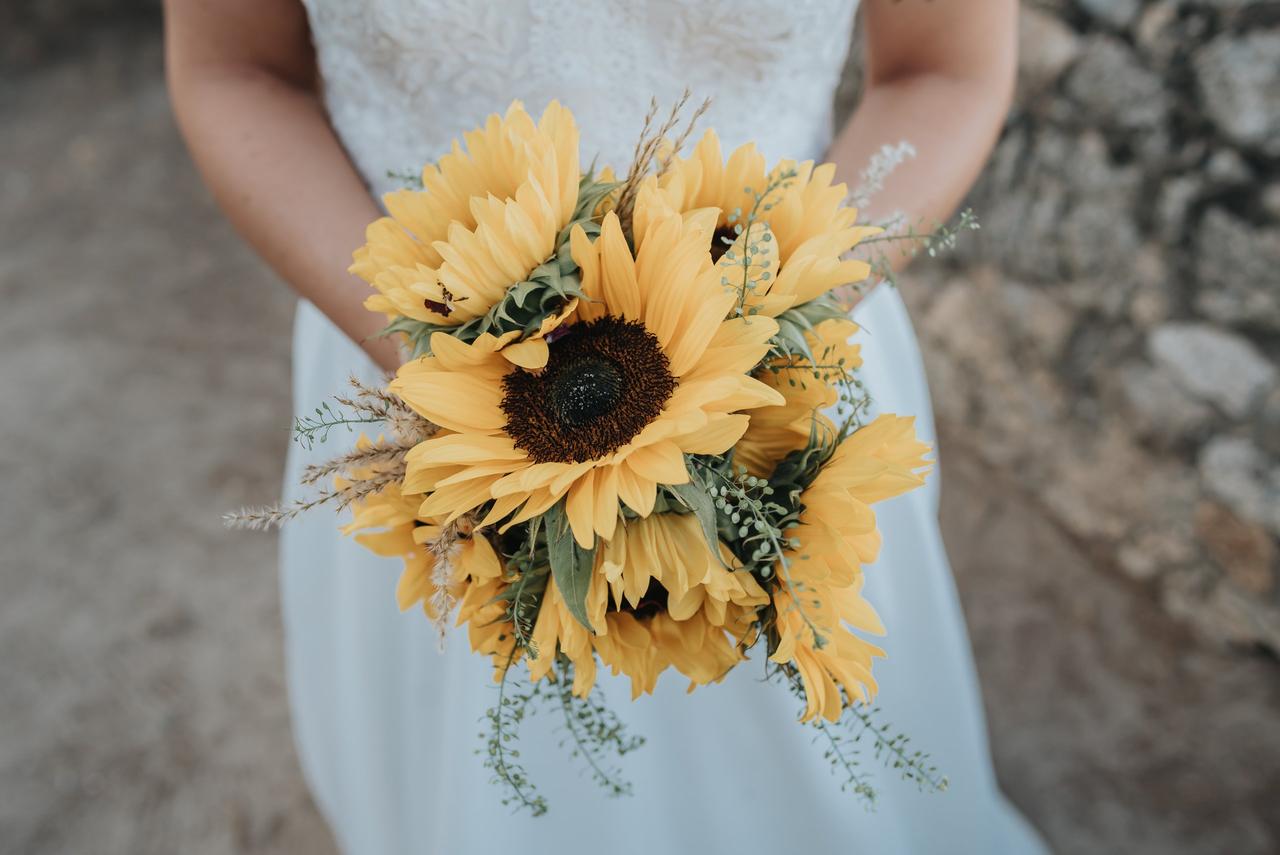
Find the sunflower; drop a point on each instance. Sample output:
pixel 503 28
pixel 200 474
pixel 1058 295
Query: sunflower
pixel 808 386
pixel 673 603
pixel 817 595
pixel 386 523
pixel 490 629
pixel 486 218
pixel 801 227
pixel 647 371
pixel 658 598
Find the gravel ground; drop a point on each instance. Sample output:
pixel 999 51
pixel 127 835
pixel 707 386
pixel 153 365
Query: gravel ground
pixel 144 369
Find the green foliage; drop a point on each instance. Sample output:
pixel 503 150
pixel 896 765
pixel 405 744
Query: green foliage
pixel 856 727
pixel 791 355
pixel 754 233
pixel 594 731
pixel 571 565
pixel 410 180
pixel 933 239
pixel 310 429
pixel 796 322
pixel 890 749
pixel 696 497
pixel 515 702
pixel 755 515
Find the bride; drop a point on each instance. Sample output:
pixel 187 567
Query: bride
pixel 299 113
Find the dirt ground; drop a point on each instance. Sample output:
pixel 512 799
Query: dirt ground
pixel 143 374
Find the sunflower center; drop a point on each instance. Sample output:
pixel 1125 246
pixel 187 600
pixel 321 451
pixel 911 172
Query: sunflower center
pixel 586 390
pixel 604 381
pixel 721 241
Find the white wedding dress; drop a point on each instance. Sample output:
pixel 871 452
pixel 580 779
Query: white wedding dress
pixel 387 727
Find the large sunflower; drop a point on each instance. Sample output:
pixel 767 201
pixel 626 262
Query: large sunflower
pixel 801 231
pixel 658 598
pixel 649 370
pixel 818 595
pixel 809 386
pixel 486 218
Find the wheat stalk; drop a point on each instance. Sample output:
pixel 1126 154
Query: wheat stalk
pixel 648 145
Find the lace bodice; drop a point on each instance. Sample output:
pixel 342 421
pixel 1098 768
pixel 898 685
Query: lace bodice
pixel 404 77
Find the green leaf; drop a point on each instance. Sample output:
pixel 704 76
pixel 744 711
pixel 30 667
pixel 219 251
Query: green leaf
pixel 571 565
pixel 695 497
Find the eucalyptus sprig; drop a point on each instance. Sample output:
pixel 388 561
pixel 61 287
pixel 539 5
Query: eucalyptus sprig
pixel 503 757
pixel 791 354
pixel 315 427
pixel 755 235
pixel 859 723
pixel 593 731
pixel 933 239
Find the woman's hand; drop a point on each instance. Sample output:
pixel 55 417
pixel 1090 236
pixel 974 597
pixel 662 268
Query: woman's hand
pixel 243 82
pixel 939 75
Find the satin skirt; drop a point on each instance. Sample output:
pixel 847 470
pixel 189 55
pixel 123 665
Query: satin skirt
pixel 388 727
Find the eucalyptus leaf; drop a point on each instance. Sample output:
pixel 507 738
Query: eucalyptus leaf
pixel 571 565
pixel 695 497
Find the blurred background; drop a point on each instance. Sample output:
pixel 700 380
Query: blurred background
pixel 1104 357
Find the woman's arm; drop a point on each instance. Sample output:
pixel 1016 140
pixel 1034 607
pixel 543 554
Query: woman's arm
pixel 939 74
pixel 243 83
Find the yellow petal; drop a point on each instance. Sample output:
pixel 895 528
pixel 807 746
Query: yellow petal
pixel 639 493
pixel 580 507
pixel 530 354
pixel 662 463
pixel 618 271
pixel 717 437
pixel 453 400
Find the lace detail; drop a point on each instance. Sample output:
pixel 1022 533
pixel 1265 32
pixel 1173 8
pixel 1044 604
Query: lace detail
pixel 404 77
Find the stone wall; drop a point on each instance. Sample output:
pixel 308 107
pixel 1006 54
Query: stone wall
pixel 1112 335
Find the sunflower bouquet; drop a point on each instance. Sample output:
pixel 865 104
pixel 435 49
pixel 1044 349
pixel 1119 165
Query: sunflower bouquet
pixel 629 433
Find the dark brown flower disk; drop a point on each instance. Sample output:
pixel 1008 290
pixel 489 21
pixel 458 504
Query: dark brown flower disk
pixel 604 381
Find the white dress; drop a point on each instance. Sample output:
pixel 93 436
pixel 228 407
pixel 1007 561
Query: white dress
pixel 388 727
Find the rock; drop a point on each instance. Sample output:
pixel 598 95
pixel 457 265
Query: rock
pixel 1116 90
pixel 1149 306
pixel 1243 550
pixel 1270 199
pixel 1151 302
pixel 1173 201
pixel 1159 407
pixel 1152 551
pixel 1239 88
pixel 1087 164
pixel 1220 613
pixel 1267 428
pixel 1156 31
pixel 1117 14
pixel 1215 366
pixel 1097 236
pixel 1046 46
pixel 1036 319
pixel 1227 167
pixel 1238 271
pixel 960 306
pixel 1097 239
pixel 1235 472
